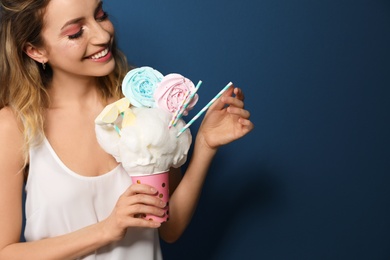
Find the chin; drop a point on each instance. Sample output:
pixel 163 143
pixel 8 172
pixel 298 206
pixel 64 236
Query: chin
pixel 101 71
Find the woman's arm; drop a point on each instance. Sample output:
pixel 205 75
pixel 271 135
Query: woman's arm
pixel 225 121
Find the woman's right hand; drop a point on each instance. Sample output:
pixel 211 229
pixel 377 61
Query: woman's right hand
pixel 132 205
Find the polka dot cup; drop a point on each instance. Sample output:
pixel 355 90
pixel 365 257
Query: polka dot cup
pixel 160 181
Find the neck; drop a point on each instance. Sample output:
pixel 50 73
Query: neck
pixel 73 92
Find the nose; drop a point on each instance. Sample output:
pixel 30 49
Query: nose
pixel 101 33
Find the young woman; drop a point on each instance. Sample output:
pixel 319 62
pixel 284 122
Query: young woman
pixel 59 68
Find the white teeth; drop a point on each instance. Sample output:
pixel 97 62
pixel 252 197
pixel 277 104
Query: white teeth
pixel 100 54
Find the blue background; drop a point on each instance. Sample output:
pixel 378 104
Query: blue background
pixel 312 180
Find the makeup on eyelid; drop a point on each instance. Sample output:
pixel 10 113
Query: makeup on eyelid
pixel 76 29
pixel 72 30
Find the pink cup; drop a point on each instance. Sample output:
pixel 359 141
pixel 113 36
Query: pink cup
pixel 160 181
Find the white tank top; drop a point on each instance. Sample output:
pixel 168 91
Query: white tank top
pixel 60 201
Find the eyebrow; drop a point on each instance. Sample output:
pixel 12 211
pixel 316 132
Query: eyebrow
pixel 79 19
pixel 73 21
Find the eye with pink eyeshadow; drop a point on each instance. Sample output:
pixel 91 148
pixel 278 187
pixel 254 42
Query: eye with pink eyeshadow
pixel 100 14
pixel 74 32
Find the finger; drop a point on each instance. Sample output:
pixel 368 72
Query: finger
pixel 233 101
pixel 140 221
pixel 239 112
pixel 137 196
pixel 219 104
pixel 239 94
pixel 147 200
pixel 140 210
pixel 139 188
pixel 246 122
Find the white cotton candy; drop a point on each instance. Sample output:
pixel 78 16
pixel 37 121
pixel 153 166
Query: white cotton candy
pixel 148 145
pixel 108 139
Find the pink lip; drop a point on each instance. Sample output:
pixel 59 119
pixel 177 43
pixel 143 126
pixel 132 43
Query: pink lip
pixel 103 59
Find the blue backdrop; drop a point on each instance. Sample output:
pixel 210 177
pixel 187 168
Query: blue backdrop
pixel 312 180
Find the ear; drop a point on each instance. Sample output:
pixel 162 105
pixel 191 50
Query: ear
pixel 37 54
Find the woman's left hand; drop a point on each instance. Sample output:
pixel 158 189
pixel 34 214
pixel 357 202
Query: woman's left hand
pixel 226 120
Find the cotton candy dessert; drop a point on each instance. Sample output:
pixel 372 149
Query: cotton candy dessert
pixel 141 129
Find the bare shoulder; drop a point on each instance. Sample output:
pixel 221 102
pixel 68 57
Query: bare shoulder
pixel 9 127
pixel 7 117
pixel 11 138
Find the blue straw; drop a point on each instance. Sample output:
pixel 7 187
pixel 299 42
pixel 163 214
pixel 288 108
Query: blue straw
pixel 187 103
pixel 204 109
pixel 117 129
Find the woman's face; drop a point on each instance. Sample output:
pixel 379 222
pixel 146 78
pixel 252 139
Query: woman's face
pixel 78 37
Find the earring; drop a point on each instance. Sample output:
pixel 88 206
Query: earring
pixel 43 65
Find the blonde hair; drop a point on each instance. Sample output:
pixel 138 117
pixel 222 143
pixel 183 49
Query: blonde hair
pixel 23 81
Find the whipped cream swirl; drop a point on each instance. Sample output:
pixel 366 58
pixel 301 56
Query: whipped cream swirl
pixel 171 91
pixel 139 85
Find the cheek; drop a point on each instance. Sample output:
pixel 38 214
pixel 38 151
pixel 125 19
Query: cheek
pixel 109 27
pixel 71 48
pixel 65 52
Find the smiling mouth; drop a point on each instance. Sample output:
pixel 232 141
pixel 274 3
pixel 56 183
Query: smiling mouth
pixel 100 54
